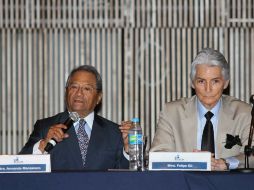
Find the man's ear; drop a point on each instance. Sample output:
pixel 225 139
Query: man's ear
pixel 65 96
pixel 226 84
pixel 192 85
pixel 98 103
pixel 99 98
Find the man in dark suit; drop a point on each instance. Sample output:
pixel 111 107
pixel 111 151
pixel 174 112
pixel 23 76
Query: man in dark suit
pixel 93 143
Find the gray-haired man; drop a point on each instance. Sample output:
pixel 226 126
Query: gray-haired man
pixel 183 124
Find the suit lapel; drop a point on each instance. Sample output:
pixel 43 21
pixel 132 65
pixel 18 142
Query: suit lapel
pixel 190 125
pixel 95 143
pixel 69 147
pixel 74 147
pixel 72 143
pixel 224 123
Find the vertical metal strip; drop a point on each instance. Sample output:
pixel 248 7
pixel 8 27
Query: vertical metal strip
pixel 63 71
pixel 119 59
pixel 113 90
pixel 251 77
pixel 103 69
pixel 184 63
pixel 19 109
pixel 4 92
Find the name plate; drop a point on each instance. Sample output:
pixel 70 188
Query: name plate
pixel 25 163
pixel 190 161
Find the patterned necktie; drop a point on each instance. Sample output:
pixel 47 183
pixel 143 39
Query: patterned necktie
pixel 208 135
pixel 83 139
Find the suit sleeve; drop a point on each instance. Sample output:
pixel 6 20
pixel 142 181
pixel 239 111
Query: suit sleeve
pixel 164 137
pixel 35 136
pixel 122 162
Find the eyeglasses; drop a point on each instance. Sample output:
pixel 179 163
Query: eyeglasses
pixel 86 88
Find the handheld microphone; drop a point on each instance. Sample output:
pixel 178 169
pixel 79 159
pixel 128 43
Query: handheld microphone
pixel 73 117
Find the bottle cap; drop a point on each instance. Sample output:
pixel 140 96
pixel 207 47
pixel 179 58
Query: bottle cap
pixel 135 119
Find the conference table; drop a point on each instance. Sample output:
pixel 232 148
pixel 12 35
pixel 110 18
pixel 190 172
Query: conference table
pixel 128 180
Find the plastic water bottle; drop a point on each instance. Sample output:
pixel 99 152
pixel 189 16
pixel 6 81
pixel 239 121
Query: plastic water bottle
pixel 136 146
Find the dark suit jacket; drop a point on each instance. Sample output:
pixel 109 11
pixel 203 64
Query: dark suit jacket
pixel 105 149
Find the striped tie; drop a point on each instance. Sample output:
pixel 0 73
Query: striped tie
pixel 83 139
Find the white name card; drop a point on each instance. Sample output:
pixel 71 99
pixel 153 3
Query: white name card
pixel 190 161
pixel 25 163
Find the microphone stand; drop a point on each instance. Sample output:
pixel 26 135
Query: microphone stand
pixel 248 150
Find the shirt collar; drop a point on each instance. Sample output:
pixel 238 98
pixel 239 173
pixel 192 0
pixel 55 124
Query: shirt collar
pixel 202 110
pixel 89 119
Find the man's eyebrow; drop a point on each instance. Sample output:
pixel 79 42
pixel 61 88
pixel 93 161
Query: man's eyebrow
pixel 200 78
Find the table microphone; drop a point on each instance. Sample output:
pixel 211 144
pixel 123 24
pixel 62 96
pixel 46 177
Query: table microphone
pixel 248 150
pixel 73 117
pixel 252 99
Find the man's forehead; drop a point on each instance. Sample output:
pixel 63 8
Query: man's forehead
pixel 203 68
pixel 83 75
pixel 208 72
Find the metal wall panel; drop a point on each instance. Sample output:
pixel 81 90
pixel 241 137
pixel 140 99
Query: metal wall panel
pixel 143 50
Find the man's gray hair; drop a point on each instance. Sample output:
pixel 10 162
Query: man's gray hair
pixel 213 58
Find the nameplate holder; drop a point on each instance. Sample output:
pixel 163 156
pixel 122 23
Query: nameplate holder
pixel 187 161
pixel 25 163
